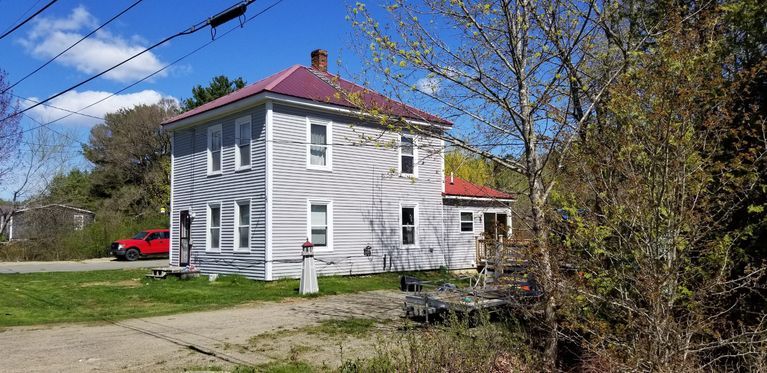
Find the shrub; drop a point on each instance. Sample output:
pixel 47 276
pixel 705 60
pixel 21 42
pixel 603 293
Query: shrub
pixel 453 347
pixel 91 242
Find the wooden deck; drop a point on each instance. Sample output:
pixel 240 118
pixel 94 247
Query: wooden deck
pixel 508 251
pixel 183 273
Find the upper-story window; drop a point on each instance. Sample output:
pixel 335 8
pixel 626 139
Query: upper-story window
pixel 319 150
pixel 407 155
pixel 215 144
pixel 243 138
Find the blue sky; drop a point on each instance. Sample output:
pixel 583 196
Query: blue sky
pixel 281 37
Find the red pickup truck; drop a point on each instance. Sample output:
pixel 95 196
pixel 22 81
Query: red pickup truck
pixel 151 242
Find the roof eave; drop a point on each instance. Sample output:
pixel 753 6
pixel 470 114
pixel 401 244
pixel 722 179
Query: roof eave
pixel 474 198
pixel 216 113
pixel 257 98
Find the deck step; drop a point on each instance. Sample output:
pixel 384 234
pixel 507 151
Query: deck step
pixel 180 272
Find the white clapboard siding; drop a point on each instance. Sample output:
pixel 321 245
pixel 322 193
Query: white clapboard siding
pixel 365 194
pixel 364 187
pixel 193 189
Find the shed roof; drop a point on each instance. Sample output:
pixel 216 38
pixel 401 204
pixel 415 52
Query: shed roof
pixel 457 187
pixel 311 84
pixel 57 205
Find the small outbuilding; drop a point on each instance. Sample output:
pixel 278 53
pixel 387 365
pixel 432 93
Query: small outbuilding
pixel 43 221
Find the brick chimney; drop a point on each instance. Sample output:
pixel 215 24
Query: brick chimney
pixel 320 60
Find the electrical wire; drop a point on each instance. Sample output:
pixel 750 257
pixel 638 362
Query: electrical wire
pixel 28 19
pixel 56 107
pixel 56 131
pixel 157 71
pixel 196 27
pixel 73 45
pixel 22 15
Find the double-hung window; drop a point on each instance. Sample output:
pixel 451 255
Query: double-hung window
pixel 243 138
pixel 242 230
pixel 214 227
pixel 319 150
pixel 79 222
pixel 408 219
pixel 467 222
pixel 407 154
pixel 215 143
pixel 320 224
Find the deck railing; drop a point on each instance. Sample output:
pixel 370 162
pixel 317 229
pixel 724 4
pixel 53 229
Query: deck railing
pixel 499 250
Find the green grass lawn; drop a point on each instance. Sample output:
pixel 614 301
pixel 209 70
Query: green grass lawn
pixel 40 298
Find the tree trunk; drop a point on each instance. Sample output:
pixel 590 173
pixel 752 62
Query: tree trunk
pixel 544 269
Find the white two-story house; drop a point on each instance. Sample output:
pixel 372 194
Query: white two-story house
pixel 258 172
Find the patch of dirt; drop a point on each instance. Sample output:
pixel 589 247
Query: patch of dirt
pixel 220 338
pixel 318 347
pixel 132 283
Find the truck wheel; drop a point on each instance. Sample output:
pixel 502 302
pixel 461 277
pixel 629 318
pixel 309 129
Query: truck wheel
pixel 132 254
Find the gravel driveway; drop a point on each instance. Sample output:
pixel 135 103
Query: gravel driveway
pixel 98 264
pixel 170 343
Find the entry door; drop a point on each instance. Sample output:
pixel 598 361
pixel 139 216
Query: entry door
pixel 490 226
pixel 496 226
pixel 185 246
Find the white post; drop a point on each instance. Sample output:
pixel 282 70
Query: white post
pixel 309 283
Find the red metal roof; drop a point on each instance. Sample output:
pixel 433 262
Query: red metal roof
pixel 461 188
pixel 306 83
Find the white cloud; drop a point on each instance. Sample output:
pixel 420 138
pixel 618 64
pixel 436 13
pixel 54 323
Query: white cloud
pixel 428 85
pixel 102 50
pixel 75 101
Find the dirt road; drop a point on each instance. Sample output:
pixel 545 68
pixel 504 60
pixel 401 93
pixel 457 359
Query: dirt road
pixel 219 338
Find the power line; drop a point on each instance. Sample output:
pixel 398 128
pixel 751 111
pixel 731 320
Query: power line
pixel 28 19
pixel 22 15
pixel 53 130
pixel 56 107
pixel 157 71
pixel 73 45
pixel 196 27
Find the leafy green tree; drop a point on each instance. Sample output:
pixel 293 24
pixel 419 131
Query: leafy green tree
pixel 72 188
pixel 468 167
pixel 219 86
pixel 131 157
pixel 526 74
pixel 650 193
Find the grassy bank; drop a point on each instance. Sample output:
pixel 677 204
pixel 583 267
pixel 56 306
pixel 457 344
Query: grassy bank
pixel 40 298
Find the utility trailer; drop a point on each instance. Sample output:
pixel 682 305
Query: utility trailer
pixel 433 304
pixel 489 291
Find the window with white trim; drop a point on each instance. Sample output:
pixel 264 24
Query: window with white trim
pixel 214 227
pixel 467 222
pixel 215 144
pixel 242 127
pixel 320 224
pixel 409 224
pixel 407 156
pixel 319 150
pixel 79 222
pixel 242 230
